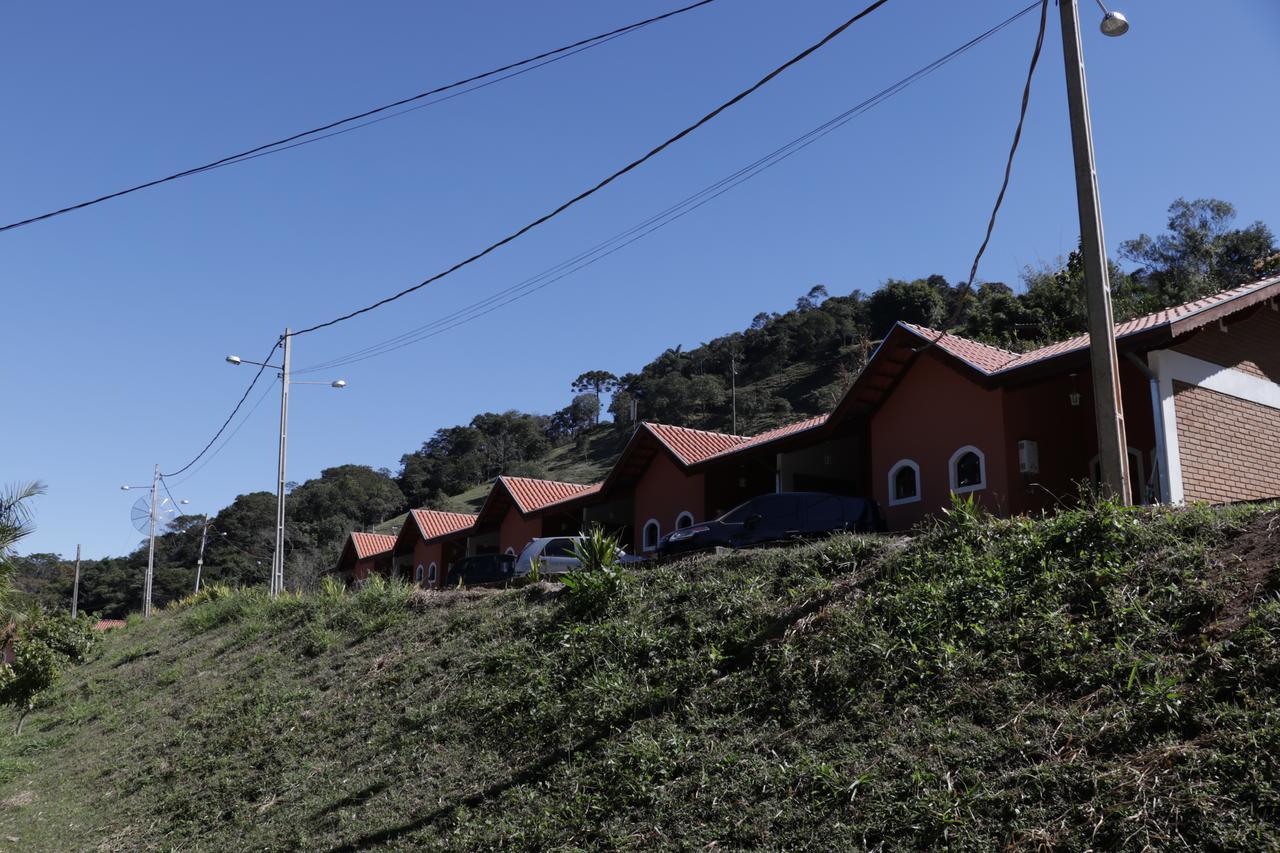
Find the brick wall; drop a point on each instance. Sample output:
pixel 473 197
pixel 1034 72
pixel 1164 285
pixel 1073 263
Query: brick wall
pixel 1248 345
pixel 1229 448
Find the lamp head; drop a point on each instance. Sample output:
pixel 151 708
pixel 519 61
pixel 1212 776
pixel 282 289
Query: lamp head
pixel 340 383
pixel 1114 24
pixel 124 488
pixel 233 359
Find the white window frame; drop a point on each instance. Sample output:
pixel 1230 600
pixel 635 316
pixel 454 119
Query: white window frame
pixel 951 470
pixel 893 475
pixel 432 572
pixel 644 535
pixel 511 551
pixel 684 514
pixel 418 573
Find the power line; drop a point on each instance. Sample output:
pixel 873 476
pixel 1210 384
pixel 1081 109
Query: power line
pixel 261 150
pixel 660 220
pixel 240 403
pixel 214 455
pixel 745 93
pixel 1004 185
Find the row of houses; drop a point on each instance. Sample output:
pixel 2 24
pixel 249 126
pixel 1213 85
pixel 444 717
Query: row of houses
pixel 931 415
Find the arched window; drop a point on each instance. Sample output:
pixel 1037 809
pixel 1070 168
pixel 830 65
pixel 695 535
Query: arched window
pixel 652 533
pixel 683 520
pixel 417 574
pixel 904 482
pixel 511 551
pixel 431 573
pixel 968 467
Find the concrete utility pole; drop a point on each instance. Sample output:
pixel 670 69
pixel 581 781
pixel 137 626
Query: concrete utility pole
pixel 277 563
pixel 75 588
pixel 151 548
pixel 1108 406
pixel 204 536
pixel 733 380
pixel 277 559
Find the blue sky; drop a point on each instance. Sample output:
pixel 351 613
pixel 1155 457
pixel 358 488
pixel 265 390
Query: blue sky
pixel 117 318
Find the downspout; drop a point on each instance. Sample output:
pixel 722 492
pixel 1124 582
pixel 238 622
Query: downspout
pixel 1157 414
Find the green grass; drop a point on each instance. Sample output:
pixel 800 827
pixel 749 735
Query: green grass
pixel 1106 679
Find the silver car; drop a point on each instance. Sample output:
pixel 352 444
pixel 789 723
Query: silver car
pixel 555 555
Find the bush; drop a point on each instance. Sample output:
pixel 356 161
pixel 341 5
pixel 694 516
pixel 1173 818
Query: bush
pixel 44 645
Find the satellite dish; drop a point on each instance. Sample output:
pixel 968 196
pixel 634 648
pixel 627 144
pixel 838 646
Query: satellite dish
pixel 166 511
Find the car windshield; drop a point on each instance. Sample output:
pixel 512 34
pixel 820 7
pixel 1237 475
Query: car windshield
pixel 738 514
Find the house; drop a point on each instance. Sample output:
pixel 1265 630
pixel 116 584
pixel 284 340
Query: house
pixel 519 509
pixel 429 543
pixel 1200 386
pixel 364 554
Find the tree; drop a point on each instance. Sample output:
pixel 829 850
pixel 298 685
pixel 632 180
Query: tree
pixel 815 297
pixel 918 301
pixel 15 525
pixel 596 382
pixel 43 646
pixel 1199 255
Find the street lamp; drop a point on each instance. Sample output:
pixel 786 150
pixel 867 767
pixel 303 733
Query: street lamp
pixel 1113 455
pixel 151 541
pixel 277 563
pixel 1113 23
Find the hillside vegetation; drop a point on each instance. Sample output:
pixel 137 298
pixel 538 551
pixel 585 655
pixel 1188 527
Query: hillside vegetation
pixel 1104 679
pixel 787 366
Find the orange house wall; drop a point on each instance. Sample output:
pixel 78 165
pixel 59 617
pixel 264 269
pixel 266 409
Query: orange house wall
pixel 663 492
pixel 1066 434
pixel 516 531
pixel 933 412
pixel 424 554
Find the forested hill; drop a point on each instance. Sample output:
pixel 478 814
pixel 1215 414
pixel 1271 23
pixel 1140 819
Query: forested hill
pixel 788 366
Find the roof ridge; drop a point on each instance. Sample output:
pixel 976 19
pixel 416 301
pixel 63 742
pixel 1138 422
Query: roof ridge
pixel 694 429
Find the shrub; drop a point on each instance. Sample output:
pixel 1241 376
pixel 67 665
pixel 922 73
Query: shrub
pixel 44 645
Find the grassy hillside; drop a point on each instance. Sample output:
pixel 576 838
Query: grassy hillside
pixel 1101 679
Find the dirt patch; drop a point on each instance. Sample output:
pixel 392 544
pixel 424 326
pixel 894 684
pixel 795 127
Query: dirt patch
pixel 18 800
pixel 1256 551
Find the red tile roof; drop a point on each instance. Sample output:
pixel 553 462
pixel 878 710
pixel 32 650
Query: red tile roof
pixel 692 446
pixel 993 360
pixel 371 544
pixel 108 624
pixel 433 523
pixel 774 435
pixel 983 357
pixel 531 495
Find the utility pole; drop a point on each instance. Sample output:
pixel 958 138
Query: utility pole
pixel 733 385
pixel 1108 405
pixel 277 560
pixel 151 547
pixel 277 564
pixel 204 536
pixel 75 588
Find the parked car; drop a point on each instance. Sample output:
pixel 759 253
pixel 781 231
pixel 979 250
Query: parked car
pixel 775 517
pixel 556 556
pixel 481 569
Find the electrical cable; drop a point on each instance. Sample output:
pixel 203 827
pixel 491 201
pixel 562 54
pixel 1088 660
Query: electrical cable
pixel 569 49
pixel 214 455
pixel 243 397
pixel 667 216
pixel 634 164
pixel 967 290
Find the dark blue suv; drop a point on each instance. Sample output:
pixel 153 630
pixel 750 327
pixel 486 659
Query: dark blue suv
pixel 774 518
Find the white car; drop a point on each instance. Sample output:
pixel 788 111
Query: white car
pixel 555 554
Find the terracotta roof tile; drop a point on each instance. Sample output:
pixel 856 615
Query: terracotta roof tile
pixel 984 357
pixel 370 544
pixel 774 434
pixel 433 523
pixel 993 360
pixel 531 495
pixel 694 445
